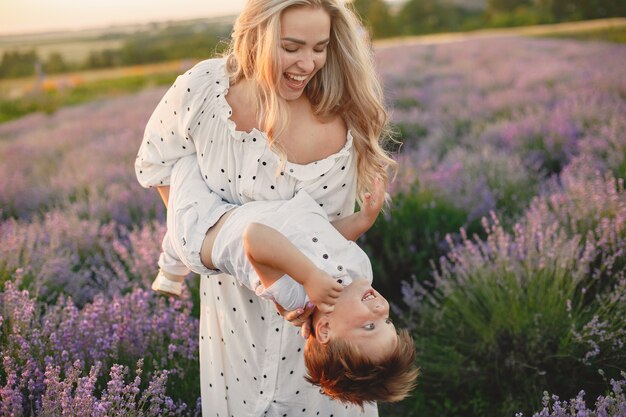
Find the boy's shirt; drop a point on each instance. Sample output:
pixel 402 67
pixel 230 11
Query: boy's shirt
pixel 306 225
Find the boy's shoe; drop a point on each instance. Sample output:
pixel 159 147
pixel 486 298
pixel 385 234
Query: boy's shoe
pixel 166 286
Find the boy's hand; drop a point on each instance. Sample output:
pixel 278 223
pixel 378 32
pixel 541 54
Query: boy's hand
pixel 323 291
pixel 373 201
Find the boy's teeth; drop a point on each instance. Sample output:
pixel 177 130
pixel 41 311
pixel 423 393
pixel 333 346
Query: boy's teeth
pixel 368 297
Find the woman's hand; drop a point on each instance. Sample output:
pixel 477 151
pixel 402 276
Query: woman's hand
pixel 300 317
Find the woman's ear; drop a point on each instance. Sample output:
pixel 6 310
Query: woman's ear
pixel 322 330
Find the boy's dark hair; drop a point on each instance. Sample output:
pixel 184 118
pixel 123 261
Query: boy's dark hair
pixel 344 374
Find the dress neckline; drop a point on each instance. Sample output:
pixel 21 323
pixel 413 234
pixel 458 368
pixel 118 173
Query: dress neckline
pixel 241 135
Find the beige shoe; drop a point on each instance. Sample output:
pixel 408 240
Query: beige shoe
pixel 167 286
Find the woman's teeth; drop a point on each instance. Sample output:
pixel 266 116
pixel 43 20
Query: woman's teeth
pixel 296 78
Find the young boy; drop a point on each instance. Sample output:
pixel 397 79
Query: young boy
pixel 288 252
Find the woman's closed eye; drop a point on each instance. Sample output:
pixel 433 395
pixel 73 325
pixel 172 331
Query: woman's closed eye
pixel 294 50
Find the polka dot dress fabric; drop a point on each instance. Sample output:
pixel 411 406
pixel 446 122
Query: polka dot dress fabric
pixel 251 359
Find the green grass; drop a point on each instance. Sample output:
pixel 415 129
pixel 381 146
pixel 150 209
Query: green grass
pixel 610 34
pixel 50 101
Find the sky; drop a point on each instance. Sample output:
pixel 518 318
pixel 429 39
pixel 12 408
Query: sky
pixel 30 16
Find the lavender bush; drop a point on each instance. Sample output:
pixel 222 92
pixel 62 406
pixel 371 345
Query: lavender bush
pixel 78 244
pixel 613 404
pixel 47 351
pixel 546 103
pixel 83 168
pixel 541 306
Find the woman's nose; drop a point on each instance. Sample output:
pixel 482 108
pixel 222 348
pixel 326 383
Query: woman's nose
pixel 307 63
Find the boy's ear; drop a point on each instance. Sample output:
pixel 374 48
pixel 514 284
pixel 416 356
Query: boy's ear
pixel 322 330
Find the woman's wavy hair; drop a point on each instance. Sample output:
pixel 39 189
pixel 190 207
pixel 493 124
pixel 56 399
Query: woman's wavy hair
pixel 347 85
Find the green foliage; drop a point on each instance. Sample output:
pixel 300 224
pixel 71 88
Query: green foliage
pixel 611 34
pixel 518 313
pixel 403 244
pixel 521 16
pixel 375 15
pixel 507 5
pixel 55 64
pixel 494 343
pixel 427 16
pixel 175 41
pixel 17 64
pixel 50 101
pixel 563 10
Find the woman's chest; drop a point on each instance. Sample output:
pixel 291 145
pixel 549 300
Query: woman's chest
pixel 306 139
pixel 242 169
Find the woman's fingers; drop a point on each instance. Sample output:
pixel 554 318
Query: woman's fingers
pixel 305 330
pixel 308 310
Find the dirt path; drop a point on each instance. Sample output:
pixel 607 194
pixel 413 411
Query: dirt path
pixel 569 27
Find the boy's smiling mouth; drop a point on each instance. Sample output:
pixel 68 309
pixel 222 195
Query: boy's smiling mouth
pixel 369 295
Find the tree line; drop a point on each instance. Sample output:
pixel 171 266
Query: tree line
pixel 414 17
pixel 417 17
pixel 144 47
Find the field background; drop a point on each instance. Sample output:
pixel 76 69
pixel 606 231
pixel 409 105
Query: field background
pixel 504 251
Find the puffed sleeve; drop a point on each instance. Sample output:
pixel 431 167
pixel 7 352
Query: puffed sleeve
pixel 169 132
pixel 331 182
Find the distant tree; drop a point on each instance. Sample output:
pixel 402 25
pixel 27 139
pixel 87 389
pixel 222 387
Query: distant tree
pixel 18 64
pixel 375 16
pixel 562 10
pixel 425 16
pixel 106 58
pixel 506 6
pixel 55 64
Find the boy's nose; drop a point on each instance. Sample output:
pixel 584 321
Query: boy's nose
pixel 379 308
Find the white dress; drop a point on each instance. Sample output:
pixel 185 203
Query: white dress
pixel 251 359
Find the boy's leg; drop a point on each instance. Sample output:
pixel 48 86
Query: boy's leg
pixel 193 209
pixel 172 271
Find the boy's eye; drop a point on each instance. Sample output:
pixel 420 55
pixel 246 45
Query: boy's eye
pixel 319 51
pixel 389 321
pixel 289 49
pixel 369 326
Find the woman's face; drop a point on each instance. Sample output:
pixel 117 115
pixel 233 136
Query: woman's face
pixel 304 37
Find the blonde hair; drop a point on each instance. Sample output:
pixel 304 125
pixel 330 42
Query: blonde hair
pixel 346 375
pixel 346 85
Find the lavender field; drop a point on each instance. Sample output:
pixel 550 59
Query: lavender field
pixel 504 251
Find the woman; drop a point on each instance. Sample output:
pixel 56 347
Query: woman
pixel 295 105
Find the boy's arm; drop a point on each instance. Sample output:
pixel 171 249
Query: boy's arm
pixel 354 225
pixel 272 255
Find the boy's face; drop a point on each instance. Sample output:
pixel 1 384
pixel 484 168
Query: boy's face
pixel 361 316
